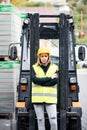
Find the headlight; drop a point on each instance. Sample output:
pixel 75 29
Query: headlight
pixel 71 20
pixel 26 21
pixel 73 80
pixel 23 80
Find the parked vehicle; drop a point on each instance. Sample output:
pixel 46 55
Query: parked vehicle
pixel 69 110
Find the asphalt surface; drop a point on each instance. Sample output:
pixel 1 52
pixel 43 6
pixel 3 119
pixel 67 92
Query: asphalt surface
pixel 82 80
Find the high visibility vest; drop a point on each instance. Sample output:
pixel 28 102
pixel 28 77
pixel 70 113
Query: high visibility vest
pixel 44 94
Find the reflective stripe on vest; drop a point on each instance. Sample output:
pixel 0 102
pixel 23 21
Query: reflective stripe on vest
pixel 47 94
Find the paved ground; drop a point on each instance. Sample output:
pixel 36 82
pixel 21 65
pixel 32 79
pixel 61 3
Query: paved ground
pixel 82 80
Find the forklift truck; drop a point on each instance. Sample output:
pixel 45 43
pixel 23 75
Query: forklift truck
pixel 69 110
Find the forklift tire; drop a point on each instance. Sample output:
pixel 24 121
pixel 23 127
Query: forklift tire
pixel 74 124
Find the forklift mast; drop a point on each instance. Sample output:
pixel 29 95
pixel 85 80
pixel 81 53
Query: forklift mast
pixel 69 110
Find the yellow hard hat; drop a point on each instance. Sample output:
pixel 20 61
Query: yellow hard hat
pixel 43 50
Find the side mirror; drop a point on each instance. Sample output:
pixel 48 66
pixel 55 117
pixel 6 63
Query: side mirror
pixel 12 52
pixel 81 53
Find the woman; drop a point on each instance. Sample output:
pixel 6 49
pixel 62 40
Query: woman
pixel 44 89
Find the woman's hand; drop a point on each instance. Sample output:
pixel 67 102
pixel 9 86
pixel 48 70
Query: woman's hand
pixel 55 76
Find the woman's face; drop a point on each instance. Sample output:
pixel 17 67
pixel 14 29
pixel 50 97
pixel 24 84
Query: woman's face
pixel 44 58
